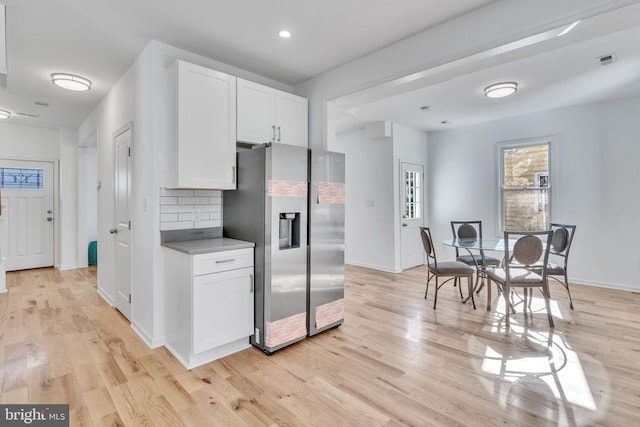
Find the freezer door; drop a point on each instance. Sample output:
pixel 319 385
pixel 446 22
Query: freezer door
pixel 326 240
pixel 286 261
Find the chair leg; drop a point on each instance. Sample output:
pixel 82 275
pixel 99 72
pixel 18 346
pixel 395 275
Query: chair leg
pixel 507 304
pixel 470 285
pixel 566 285
pixel 459 282
pixel 427 290
pixel 488 293
pixel 435 299
pixel 547 296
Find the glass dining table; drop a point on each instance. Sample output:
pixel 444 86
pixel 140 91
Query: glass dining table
pixel 476 248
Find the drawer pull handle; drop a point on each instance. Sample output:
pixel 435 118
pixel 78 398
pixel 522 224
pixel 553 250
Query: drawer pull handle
pixel 222 261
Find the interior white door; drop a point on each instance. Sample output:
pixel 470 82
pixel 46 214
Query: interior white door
pixel 122 230
pixel 27 207
pixel 411 214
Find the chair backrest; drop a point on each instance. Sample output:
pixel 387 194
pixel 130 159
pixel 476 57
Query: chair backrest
pixel 466 230
pixel 427 243
pixel 530 252
pixel 561 240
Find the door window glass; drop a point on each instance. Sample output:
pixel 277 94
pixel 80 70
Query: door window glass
pixel 412 202
pixel 21 179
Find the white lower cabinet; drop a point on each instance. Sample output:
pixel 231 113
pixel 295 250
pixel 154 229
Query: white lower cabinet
pixel 224 299
pixel 209 304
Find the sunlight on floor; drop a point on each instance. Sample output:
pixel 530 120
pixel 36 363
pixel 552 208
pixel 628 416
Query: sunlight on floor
pixel 539 365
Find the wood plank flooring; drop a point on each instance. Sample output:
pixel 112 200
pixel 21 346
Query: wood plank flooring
pixel 394 362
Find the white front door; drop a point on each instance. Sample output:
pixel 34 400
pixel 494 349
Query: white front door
pixel 122 230
pixel 411 214
pixel 27 207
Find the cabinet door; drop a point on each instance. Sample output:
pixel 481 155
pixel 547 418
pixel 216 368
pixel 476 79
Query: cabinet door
pixel 256 117
pixel 292 119
pixel 222 308
pixel 206 128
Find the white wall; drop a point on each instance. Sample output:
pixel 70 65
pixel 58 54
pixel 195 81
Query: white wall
pixel 594 183
pixel 372 210
pixel 461 37
pixel 369 208
pixel 410 146
pixel 27 142
pixel 67 215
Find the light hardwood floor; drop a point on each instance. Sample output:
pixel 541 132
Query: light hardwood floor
pixel 394 362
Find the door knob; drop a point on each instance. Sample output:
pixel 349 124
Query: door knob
pixel 49 211
pixel 49 219
pixel 113 231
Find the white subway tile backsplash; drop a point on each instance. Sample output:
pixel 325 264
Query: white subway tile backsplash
pixel 164 226
pixel 194 200
pixel 168 200
pixel 175 208
pixel 178 208
pixel 211 208
pixel 216 193
pixel 167 192
pixel 168 217
pixel 206 224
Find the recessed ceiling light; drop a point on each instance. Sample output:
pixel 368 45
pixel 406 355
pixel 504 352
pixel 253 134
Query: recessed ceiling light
pixel 500 90
pixel 71 82
pixel 284 34
pixel 4 114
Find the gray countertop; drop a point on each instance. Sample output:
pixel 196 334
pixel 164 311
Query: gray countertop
pixel 203 246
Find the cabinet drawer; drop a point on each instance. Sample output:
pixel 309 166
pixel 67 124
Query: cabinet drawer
pixel 222 261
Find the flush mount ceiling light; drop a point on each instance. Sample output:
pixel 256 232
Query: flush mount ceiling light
pixel 284 34
pixel 500 90
pixel 71 82
pixel 4 114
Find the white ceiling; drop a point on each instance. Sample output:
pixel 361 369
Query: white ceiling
pixel 556 72
pixel 99 39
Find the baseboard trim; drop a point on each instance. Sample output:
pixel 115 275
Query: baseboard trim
pixel 374 267
pixel 607 285
pixel 151 342
pixel 105 296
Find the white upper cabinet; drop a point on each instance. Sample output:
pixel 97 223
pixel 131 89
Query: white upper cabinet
pixel 203 129
pixel 270 115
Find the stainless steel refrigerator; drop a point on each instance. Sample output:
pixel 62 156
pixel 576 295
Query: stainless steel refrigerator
pixel 271 207
pixel 326 240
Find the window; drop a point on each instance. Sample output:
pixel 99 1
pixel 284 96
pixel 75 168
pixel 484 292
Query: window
pixel 525 186
pixel 21 179
pixel 412 188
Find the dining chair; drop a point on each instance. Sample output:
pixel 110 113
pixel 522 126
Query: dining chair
pixel 524 267
pixel 450 269
pixel 560 246
pixel 472 230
